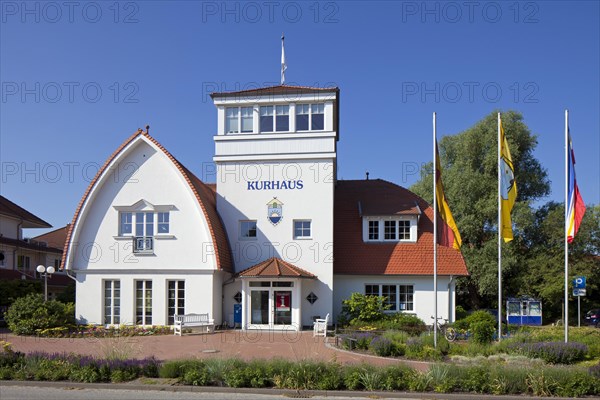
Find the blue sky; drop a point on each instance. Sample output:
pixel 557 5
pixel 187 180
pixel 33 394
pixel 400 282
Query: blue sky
pixel 79 78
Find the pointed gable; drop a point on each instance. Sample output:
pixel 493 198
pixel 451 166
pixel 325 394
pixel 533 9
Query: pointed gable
pixel 203 195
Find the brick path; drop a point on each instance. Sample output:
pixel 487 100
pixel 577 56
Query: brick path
pixel 246 345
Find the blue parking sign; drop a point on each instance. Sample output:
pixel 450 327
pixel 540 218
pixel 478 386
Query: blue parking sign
pixel 579 282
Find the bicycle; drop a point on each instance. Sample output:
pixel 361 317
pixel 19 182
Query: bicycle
pixel 448 331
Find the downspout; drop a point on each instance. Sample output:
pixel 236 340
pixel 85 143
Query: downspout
pixel 19 225
pixel 227 282
pixel 450 299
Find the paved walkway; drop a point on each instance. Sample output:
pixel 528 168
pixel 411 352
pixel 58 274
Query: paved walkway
pixel 246 345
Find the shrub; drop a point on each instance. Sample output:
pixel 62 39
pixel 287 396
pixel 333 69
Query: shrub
pixel 31 314
pixel 364 308
pixel 382 346
pixel 483 332
pixel 552 352
pixel 477 316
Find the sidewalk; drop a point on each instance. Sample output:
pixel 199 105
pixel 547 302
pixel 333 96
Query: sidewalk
pixel 246 345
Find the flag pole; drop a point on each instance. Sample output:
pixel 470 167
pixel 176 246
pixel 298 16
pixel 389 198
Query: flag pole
pixel 499 234
pixel 566 321
pixel 283 64
pixel 435 299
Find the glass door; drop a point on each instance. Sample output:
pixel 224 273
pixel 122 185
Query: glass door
pixel 259 307
pixel 283 307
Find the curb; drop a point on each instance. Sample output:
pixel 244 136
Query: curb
pixel 291 393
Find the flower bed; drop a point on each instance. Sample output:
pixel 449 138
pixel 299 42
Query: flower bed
pixel 82 331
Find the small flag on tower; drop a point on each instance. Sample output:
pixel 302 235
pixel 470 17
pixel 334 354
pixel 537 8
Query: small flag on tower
pixel 283 64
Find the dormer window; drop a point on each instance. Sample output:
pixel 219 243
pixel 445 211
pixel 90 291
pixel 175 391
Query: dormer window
pixel 390 228
pixel 239 117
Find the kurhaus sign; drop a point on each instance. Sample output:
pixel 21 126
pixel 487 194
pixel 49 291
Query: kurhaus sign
pixel 275 185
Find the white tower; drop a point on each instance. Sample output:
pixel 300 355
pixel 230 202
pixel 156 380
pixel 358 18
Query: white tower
pixel 275 152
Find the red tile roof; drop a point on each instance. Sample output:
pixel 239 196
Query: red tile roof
pixel 353 256
pixel 275 268
pixel 55 238
pixel 275 90
pixel 10 209
pixel 204 195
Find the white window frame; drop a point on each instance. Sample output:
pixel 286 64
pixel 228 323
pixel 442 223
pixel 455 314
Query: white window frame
pixel 380 221
pixel 302 229
pixel 155 223
pixel 310 112
pixel 241 230
pixel 114 318
pixel 165 222
pixel 385 230
pixel 176 298
pixel 239 117
pixel 147 310
pixel 398 303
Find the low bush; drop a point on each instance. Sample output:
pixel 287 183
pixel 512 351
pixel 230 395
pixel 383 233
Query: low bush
pixel 552 352
pixel 488 376
pixel 382 346
pixel 483 331
pixel 31 314
pixel 477 316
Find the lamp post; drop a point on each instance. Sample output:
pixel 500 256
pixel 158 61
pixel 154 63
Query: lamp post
pixel 44 271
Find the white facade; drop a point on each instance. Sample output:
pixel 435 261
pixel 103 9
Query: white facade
pixel 142 180
pixel 423 299
pixel 263 241
pixel 294 168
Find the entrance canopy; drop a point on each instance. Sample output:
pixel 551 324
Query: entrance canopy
pixel 275 268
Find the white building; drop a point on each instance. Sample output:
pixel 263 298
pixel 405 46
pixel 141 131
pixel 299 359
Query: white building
pixel 277 234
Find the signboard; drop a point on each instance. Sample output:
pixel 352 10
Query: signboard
pixel 579 282
pixel 579 292
pixel 283 301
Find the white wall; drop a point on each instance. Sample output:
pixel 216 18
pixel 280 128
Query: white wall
pixel 314 202
pixel 157 181
pixel 345 285
pixel 89 308
pixel 144 173
pixel 9 227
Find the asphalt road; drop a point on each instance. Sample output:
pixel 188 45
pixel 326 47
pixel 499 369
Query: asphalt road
pixel 10 392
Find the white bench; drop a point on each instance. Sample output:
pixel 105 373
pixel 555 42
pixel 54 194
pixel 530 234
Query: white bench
pixel 193 320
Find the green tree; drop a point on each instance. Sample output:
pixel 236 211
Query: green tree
pixel 544 276
pixel 469 162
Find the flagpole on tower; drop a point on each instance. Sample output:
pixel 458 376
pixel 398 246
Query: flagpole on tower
pixel 283 64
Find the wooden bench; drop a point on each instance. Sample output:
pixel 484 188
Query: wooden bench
pixel 193 320
pixel 320 326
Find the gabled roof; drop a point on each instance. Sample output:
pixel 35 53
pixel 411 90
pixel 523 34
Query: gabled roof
pixel 275 90
pixel 204 195
pixel 353 256
pixel 10 209
pixel 275 268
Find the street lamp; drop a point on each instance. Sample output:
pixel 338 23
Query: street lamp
pixel 44 272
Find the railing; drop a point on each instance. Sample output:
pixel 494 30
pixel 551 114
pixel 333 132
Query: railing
pixel 143 244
